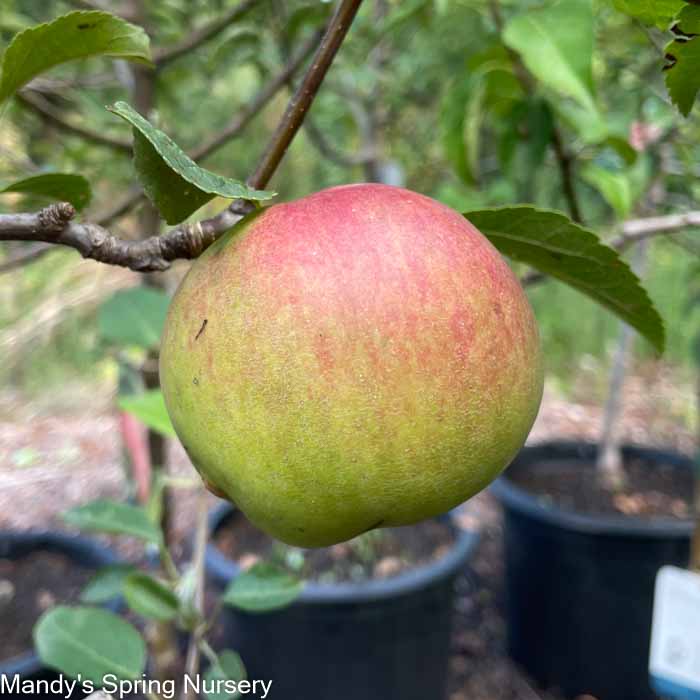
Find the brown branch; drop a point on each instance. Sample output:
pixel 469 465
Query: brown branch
pixel 306 92
pixel 168 54
pixel 53 116
pixel 565 163
pixel 232 130
pixel 55 223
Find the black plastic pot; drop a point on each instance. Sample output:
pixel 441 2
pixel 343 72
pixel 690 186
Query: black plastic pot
pixel 376 640
pixel 579 588
pixel 84 552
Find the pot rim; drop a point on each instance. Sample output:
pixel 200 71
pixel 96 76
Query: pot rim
pixel 519 500
pixel 223 569
pixel 73 546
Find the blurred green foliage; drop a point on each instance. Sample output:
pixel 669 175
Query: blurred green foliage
pixel 428 88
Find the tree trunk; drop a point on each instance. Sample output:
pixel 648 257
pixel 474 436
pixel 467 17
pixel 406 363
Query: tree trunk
pixel 609 465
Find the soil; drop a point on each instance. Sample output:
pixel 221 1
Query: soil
pixel 651 491
pixel 380 553
pixel 29 586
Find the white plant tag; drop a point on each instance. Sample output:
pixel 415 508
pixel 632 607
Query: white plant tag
pixel 674 659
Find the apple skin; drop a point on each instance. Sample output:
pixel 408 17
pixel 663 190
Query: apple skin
pixel 359 358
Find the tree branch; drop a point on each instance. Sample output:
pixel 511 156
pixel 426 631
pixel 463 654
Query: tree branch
pixel 55 224
pixel 53 116
pixel 638 229
pixel 306 92
pixel 565 163
pixel 198 564
pixel 245 115
pixel 634 231
pixel 168 54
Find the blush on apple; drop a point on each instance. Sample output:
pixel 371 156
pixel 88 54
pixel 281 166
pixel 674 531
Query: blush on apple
pixel 359 358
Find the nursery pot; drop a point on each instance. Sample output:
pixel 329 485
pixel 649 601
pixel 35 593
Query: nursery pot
pixel 85 552
pixel 579 587
pixel 382 639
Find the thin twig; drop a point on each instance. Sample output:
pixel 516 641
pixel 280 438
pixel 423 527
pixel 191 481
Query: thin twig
pixel 55 223
pixel 610 470
pixel 93 241
pixel 231 131
pixel 565 163
pixel 637 229
pixel 168 54
pixel 316 136
pixel 303 98
pixel 53 116
pixel 200 546
pixel 634 231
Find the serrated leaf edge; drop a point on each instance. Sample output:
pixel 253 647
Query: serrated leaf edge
pixel 138 121
pixel 610 253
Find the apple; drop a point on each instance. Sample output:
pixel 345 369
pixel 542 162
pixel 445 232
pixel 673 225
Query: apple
pixel 362 357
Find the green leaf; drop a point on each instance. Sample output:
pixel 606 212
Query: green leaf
pixel 134 317
pixel 229 667
pixel 171 179
pixel 149 408
pixel 622 147
pixel 688 20
pixel 461 123
pixel 263 587
pixel 487 84
pixel 62 187
pixel 615 188
pixel 556 44
pixel 683 55
pixel 89 642
pixel 657 12
pixel 115 518
pixel 70 37
pixel 555 245
pixel 149 597
pixel 106 584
